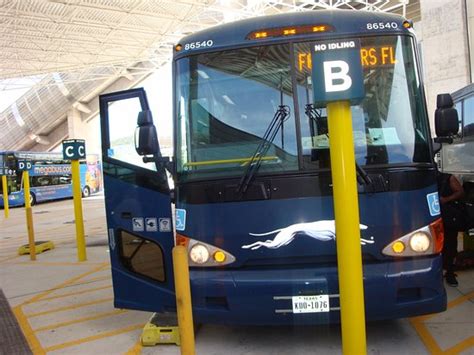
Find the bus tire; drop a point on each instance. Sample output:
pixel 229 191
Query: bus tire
pixel 32 199
pixel 86 191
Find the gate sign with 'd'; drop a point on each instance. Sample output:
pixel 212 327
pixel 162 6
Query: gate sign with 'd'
pixel 74 149
pixel 337 72
pixel 24 165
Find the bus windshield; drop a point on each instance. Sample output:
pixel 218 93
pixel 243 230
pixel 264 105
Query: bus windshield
pixel 226 101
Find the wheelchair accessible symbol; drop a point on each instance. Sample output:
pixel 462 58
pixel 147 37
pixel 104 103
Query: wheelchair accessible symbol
pixel 180 219
pixel 433 204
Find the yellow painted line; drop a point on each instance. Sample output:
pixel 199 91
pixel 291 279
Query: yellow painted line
pixel 423 318
pixel 66 283
pixel 426 337
pixel 451 304
pixel 66 308
pixel 30 336
pixel 81 320
pixel 94 337
pixel 465 344
pixel 459 300
pixel 72 294
pixel 86 281
pixel 136 349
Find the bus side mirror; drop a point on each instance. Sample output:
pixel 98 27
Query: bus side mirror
pixel 446 119
pixel 146 139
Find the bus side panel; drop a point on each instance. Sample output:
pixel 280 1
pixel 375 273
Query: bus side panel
pixel 14 199
pixel 52 192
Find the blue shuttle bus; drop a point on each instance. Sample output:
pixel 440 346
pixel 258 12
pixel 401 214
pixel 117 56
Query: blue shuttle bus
pixel 50 176
pixel 252 196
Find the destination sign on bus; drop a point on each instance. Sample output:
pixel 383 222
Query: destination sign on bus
pixel 370 57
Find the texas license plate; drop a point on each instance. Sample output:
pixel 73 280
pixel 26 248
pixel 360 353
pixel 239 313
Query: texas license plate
pixel 310 304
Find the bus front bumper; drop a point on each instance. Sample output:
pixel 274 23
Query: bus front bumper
pixel 398 289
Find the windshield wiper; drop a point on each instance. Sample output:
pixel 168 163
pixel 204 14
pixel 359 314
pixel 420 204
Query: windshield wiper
pixel 253 165
pixel 362 176
pixel 313 114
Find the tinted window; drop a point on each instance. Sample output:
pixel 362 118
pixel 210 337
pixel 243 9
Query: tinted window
pixel 468 129
pixel 123 116
pixel 458 107
pixel 389 125
pixel 226 102
pixel 39 181
pixel 142 256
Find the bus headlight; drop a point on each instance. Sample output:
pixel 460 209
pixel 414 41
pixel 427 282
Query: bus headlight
pixel 427 240
pixel 202 254
pixel 199 254
pixel 419 242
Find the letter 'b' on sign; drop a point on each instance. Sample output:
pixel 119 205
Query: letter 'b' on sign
pixel 337 72
pixel 74 149
pixel 335 76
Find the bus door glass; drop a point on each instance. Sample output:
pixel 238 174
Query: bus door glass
pixel 138 209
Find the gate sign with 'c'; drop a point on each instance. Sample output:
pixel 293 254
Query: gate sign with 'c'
pixel 74 149
pixel 337 72
pixel 24 165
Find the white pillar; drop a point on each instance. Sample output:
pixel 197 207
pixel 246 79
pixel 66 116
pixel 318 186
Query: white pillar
pixel 444 48
pixel 75 126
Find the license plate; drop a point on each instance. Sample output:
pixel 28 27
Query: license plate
pixel 310 304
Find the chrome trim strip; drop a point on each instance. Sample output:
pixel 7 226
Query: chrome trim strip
pixel 277 298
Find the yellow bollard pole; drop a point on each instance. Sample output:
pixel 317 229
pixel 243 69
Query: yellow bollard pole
pixel 5 196
pixel 346 210
pixel 79 221
pixel 183 300
pixel 29 215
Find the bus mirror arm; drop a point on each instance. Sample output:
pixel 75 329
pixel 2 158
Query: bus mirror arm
pixel 441 140
pixel 162 162
pixel 436 146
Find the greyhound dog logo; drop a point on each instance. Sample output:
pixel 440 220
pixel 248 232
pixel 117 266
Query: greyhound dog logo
pixel 320 230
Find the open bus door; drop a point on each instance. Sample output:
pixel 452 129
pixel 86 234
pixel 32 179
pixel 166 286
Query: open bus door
pixel 138 207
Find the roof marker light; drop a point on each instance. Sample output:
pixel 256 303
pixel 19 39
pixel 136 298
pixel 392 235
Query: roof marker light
pixel 289 31
pixel 319 28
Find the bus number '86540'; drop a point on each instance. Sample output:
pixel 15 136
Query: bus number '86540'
pixel 197 45
pixel 382 26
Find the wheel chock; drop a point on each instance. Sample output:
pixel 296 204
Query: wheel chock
pixel 162 328
pixel 40 247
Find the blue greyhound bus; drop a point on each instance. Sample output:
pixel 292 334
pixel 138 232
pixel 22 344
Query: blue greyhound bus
pixel 252 196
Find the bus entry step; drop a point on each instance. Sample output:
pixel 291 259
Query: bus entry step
pixel 162 328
